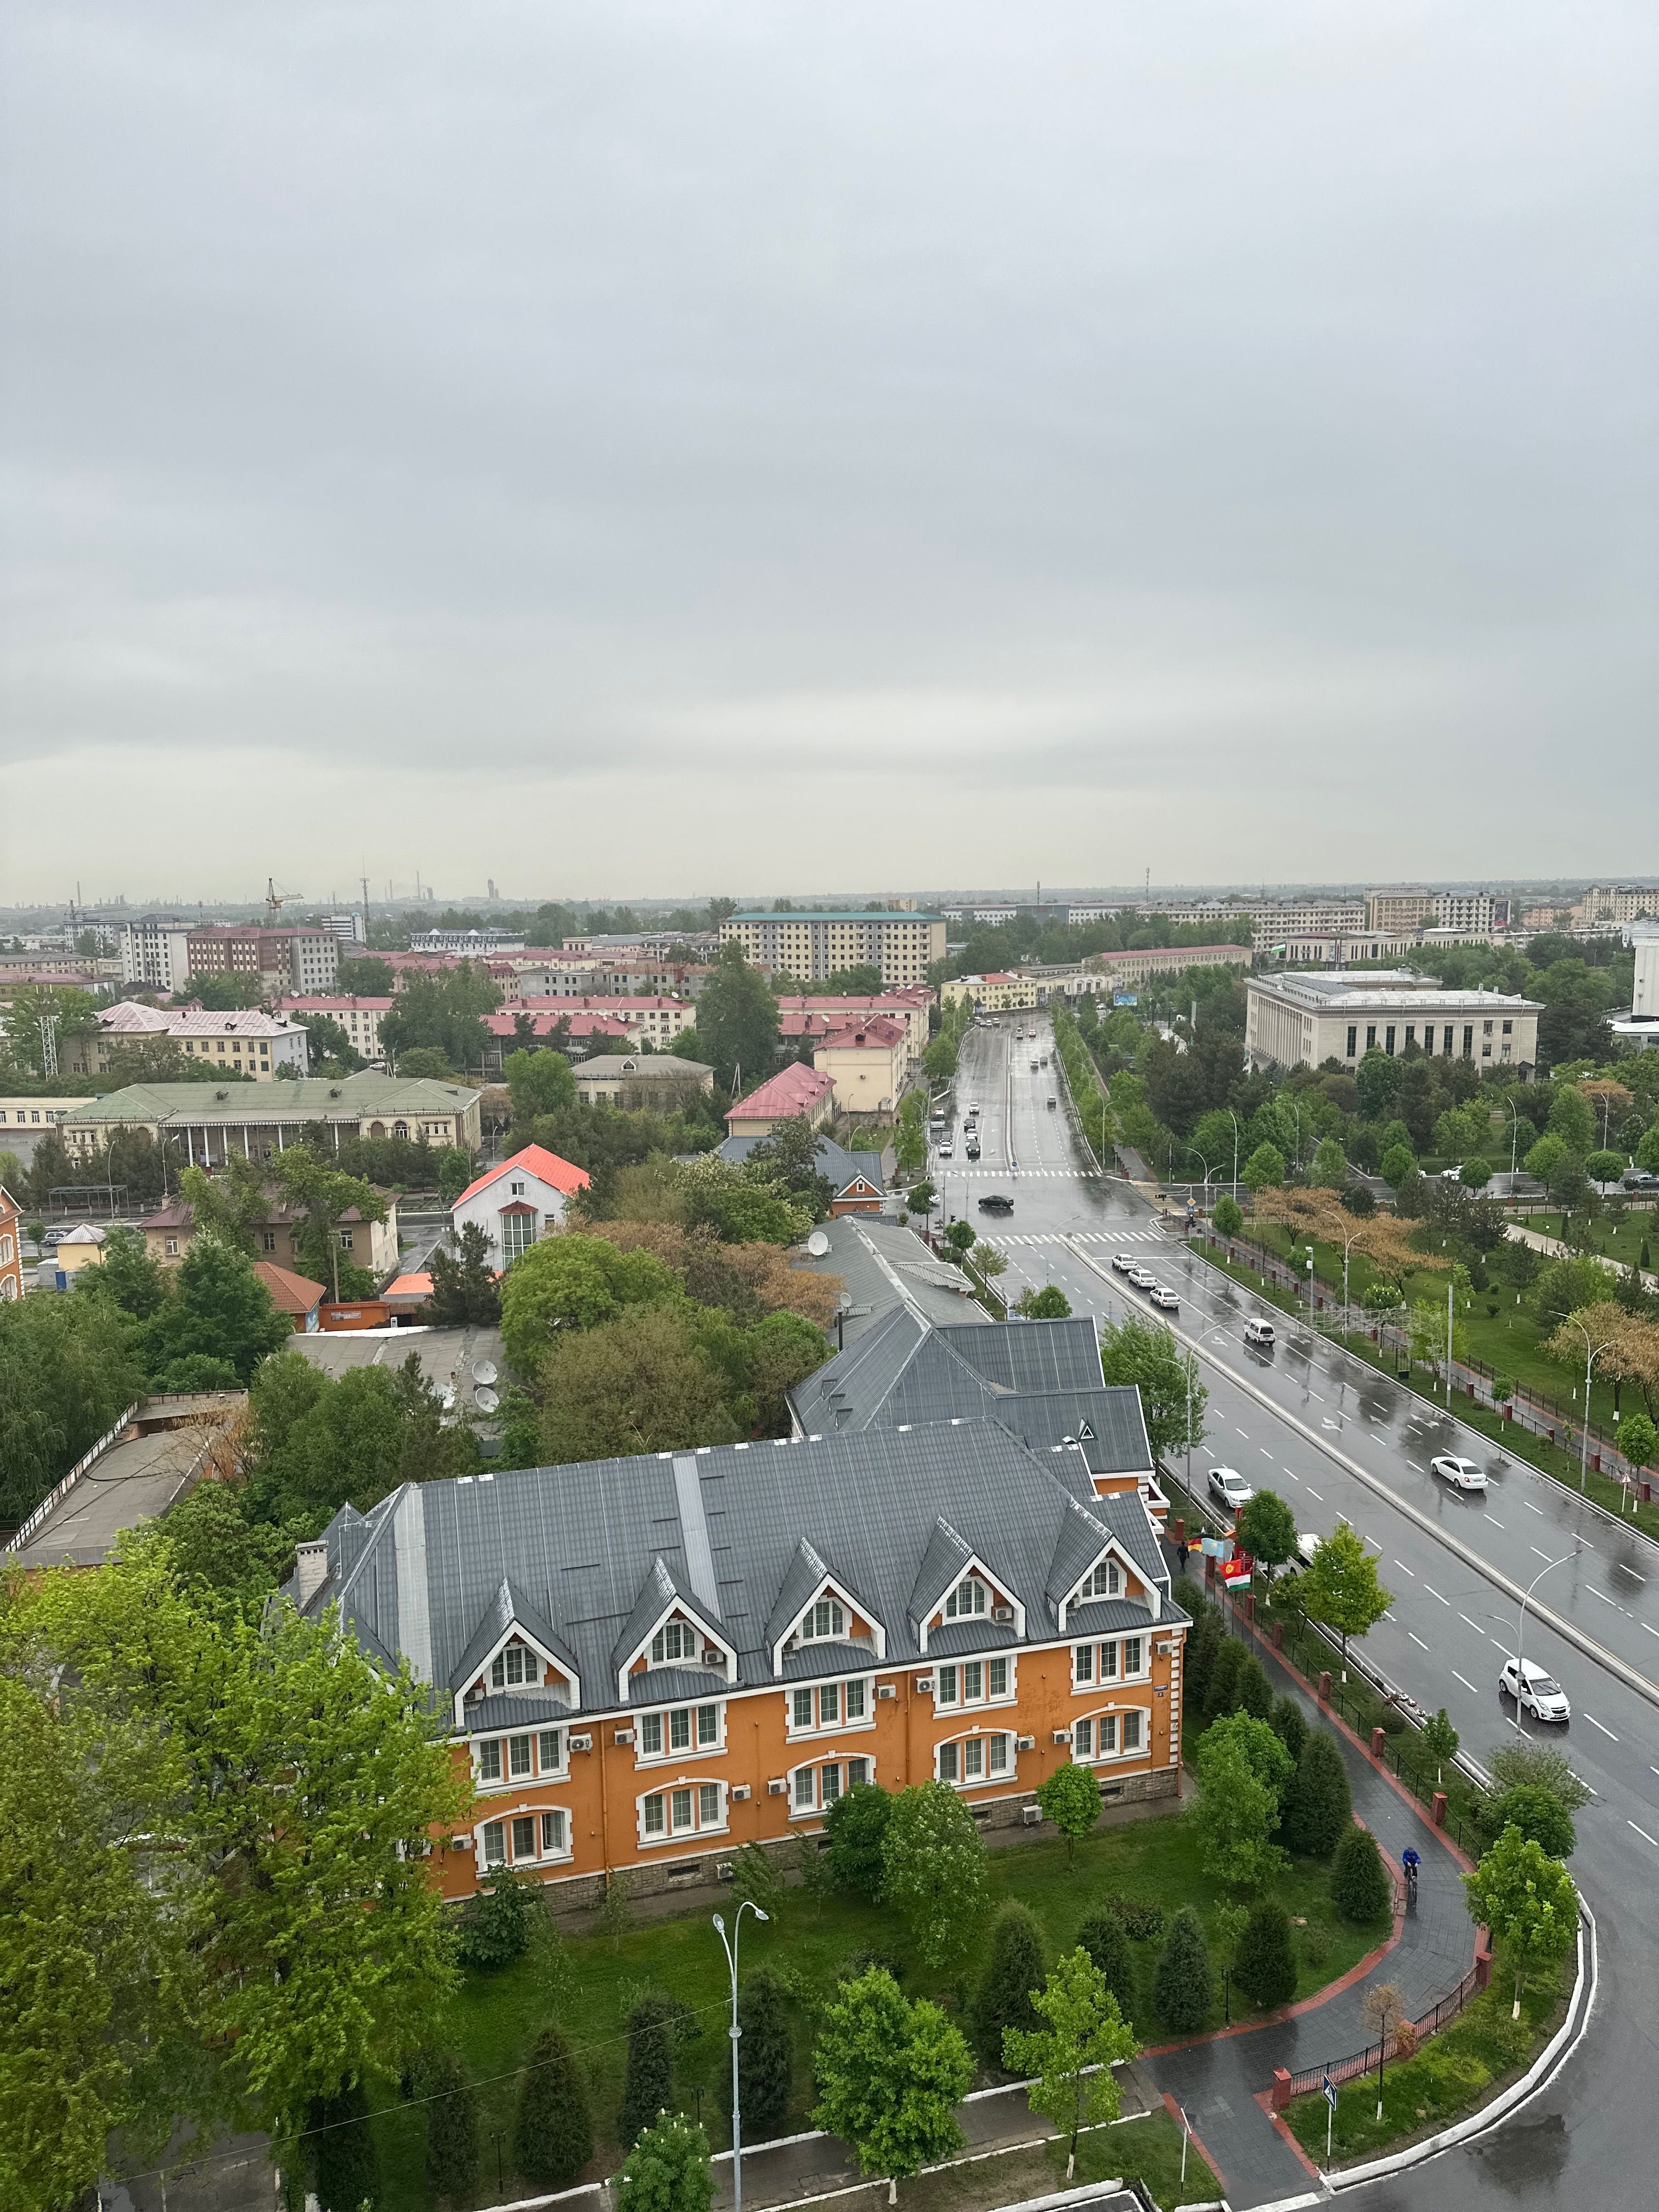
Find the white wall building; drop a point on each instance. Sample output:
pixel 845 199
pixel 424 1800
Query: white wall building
pixel 1299 1020
pixel 514 1203
pixel 1640 1025
pixel 156 952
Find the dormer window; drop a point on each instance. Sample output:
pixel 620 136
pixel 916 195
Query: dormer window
pixel 675 1639
pixel 1106 1581
pixel 513 1665
pixel 968 1598
pixel 826 1617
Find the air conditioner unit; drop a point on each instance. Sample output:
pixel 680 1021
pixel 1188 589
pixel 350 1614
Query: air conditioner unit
pixel 925 1683
pixel 1062 1735
pixel 1030 1814
pixel 739 1793
pixel 1165 1648
pixel 582 1743
pixel 1002 1612
pixel 723 1871
pixel 777 1787
pixel 1025 1743
pixel 886 1690
pixel 622 1736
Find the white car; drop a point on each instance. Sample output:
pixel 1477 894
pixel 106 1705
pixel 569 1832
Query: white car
pixel 1227 1483
pixel 1534 1689
pixel 1462 1474
pixel 947 1150
pixel 1451 1174
pixel 1166 1297
pixel 1125 1262
pixel 1143 1278
pixel 1306 1546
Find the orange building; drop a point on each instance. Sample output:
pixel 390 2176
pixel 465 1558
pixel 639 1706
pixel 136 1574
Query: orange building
pixel 647 1663
pixel 11 1248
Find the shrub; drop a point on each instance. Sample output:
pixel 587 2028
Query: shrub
pixel 1203 1647
pixel 1071 1799
pixel 1182 1985
pixel 857 1964
pixel 1538 1812
pixel 452 2128
pixel 495 1925
pixel 766 2054
pixel 668 2170
pixel 1012 1970
pixel 348 2174
pixel 1359 1880
pixel 1224 1678
pixel 1290 1724
pixel 1315 1946
pixel 648 2085
pixel 1105 1937
pixel 1318 1808
pixel 1143 1919
pixel 553 2133
pixel 1267 1969
pixel 1252 1691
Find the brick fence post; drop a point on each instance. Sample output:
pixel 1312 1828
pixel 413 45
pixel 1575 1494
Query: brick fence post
pixel 1379 1742
pixel 1279 1636
pixel 1281 2089
pixel 1325 1687
pixel 1437 1808
pixel 1482 1960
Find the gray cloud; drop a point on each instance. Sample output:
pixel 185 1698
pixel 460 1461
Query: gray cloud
pixel 616 447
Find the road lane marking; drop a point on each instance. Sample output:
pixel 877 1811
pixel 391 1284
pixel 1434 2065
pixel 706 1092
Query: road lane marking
pixel 1286 1470
pixel 1602 1594
pixel 1474 1624
pixel 1265 1453
pixel 1630 1572
pixel 1465 1680
pixel 1531 1508
pixel 1433 1592
pixel 1312 1492
pixel 1315 1395
pixel 1651 1631
pixel 1239 1431
pixel 1415 1637
pixel 1595 1723
pixel 1421 1470
pixel 1643 1834
pixel 1405 1569
pixel 1493 1518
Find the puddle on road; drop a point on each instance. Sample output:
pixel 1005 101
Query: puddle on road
pixel 1528 2160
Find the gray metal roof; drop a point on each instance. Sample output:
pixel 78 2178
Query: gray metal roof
pixel 831 1160
pixel 590 1549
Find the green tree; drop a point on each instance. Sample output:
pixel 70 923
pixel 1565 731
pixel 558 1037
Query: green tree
pixel 1070 1797
pixel 426 1063
pixel 1145 1353
pixel 766 2055
pixel 856 1826
pixel 1252 1691
pixel 1529 1901
pixel 1526 1761
pixel 1013 1968
pixel 1265 1966
pixel 1440 1740
pixel 1318 1806
pixel 1289 1724
pixel 1050 1303
pixel 1360 1881
pixel 232 1205
pixel 325 1040
pixel 1540 1815
pixel 1221 1681
pixel 960 1238
pixel 737 1022
pixel 537 1083
pixel 128 1274
pixel 1545 1158
pixel 637 1384
pixel 454 1173
pixel 1339 1587
pixel 649 2084
pixel 452 2127
pixel 1106 1940
pixel 1070 2056
pixel 1236 1810
pixel 1397 1164
pixel 441 1013
pixel 1265 1169
pixel 921 1197
pixel 464 1291
pixel 323 1196
pixel 219 1308
pixel 1476 1172
pixel 933 1868
pixel 1266 1529
pixel 1183 1984
pixel 553 2132
pixel 1376 1083
pixel 1228 1219
pixel 890 2075
pixel 215 1546
pixel 1638 1440
pixel 575 1282
pixel 1330 1164
pixel 68 1368
pixel 347 2170
pixel 364 977
pixel 1573 1118
pixel 668 2170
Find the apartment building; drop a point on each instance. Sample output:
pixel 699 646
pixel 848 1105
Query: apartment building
pixel 814 946
pixel 156 952
pixel 1344 951
pixel 466 944
pixel 349 931
pixel 990 994
pixel 652 1019
pixel 539 975
pixel 258 1118
pixel 1614 903
pixel 245 1042
pixel 360 1017
pixel 1297 1020
pixel 1476 912
pixel 300 959
pixel 644 1664
pixel 800 1017
pixel 869 1066
pixel 1397 914
pixel 168 1233
pixel 1273 920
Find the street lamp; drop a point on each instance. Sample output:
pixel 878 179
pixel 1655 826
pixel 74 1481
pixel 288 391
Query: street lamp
pixel 1192 1363
pixel 1347 1249
pixel 1205 1165
pixel 1520 1623
pixel 1515 1139
pixel 1233 1118
pixel 1592 1353
pixel 731 1950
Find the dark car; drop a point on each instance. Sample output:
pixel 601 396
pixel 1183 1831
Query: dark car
pixel 994 1202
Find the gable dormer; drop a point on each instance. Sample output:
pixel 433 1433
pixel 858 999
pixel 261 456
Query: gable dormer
pixel 1092 1564
pixel 514 1651
pixel 818 1607
pixel 955 1587
pixel 1110 1575
pixel 670 1626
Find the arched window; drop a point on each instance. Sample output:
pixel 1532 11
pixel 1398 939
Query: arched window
pixel 1109 1736
pixel 969 1597
pixel 826 1617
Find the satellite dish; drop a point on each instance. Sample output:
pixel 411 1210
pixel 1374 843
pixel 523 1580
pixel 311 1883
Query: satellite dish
pixel 818 1243
pixel 483 1370
pixel 485 1399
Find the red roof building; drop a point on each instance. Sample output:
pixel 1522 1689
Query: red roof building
pixel 793 1093
pixel 515 1203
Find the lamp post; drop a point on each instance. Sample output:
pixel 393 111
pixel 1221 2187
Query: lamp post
pixel 1205 1165
pixel 1233 1118
pixel 731 1950
pixel 1515 1139
pixel 1592 1353
pixel 1347 1249
pixel 1520 1623
pixel 1192 1363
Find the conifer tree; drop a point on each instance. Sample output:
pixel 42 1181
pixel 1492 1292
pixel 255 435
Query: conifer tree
pixel 1265 1967
pixel 648 2085
pixel 766 2055
pixel 1012 1970
pixel 1106 1940
pixel 348 2171
pixel 1359 1880
pixel 1252 1691
pixel 1223 1678
pixel 452 2127
pixel 1318 1807
pixel 1290 1724
pixel 553 2139
pixel 1182 1987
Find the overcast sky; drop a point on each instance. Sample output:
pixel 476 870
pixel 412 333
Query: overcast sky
pixel 632 449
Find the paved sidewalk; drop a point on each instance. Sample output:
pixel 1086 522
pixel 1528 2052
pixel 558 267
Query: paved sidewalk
pixel 1558 1250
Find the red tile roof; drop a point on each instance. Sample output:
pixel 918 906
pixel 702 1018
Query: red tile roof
pixel 537 1160
pixel 794 1091
pixel 290 1294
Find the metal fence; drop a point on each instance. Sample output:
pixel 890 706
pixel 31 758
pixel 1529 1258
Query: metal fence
pixel 1337 2070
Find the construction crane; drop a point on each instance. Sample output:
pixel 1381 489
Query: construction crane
pixel 274 899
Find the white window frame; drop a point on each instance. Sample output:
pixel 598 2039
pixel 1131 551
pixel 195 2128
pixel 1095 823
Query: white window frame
pixel 695 1746
pixel 864 1684
pixel 975 1746
pixel 501 1742
pixel 709 1639
pixel 972 1569
pixel 566 1684
pixel 663 1794
pixel 796 1629
pixel 1115 1718
pixel 815 1807
pixel 1107 1655
pixel 501 1818
pixel 968 1682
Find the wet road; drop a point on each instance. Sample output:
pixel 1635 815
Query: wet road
pixel 1282 1420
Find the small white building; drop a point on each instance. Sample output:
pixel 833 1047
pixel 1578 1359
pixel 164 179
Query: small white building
pixel 514 1203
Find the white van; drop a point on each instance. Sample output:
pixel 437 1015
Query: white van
pixel 1258 1331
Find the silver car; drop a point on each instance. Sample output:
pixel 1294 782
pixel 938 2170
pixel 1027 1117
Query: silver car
pixel 1228 1484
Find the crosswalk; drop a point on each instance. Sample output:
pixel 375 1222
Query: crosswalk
pixel 949 1168
pixel 1085 1236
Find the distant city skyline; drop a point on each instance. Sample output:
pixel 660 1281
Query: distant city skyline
pixel 655 443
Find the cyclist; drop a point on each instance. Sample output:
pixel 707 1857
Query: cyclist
pixel 1411 1862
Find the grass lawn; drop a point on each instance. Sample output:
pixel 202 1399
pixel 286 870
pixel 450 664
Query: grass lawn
pixel 1451 2073
pixel 1622 1244
pixel 595 1979
pixel 1500 1333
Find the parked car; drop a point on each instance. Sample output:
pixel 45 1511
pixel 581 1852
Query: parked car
pixel 1462 1474
pixel 1638 1179
pixel 1165 1297
pixel 1535 1690
pixel 994 1202
pixel 1228 1484
pixel 1257 1331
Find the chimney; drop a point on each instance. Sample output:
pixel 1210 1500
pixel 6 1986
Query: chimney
pixel 310 1572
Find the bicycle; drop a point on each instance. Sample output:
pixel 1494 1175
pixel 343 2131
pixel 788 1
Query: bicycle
pixel 1410 1861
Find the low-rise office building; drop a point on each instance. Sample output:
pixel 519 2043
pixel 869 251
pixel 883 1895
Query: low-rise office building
pixel 869 1066
pixel 516 1202
pixel 792 1094
pixel 647 1083
pixel 1297 1020
pixel 990 994
pixel 257 1119
pixel 644 1664
pixel 243 1043
pixel 169 1232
